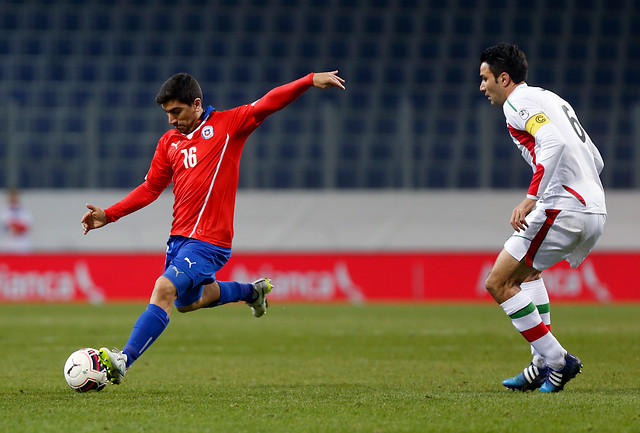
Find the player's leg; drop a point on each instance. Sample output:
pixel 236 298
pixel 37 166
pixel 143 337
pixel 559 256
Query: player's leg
pixel 504 285
pixel 219 293
pixel 223 292
pixel 150 324
pixel 580 247
pixel 228 292
pixel 200 261
pixel 551 236
pixel 534 374
pixel 255 294
pixel 153 321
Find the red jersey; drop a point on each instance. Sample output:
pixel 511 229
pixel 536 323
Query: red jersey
pixel 204 168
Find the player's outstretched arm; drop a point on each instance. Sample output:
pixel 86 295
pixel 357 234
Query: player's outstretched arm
pixel 93 219
pixel 324 80
pixel 281 96
pixel 141 196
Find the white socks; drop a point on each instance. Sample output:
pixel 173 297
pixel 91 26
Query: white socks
pixel 527 320
pixel 537 292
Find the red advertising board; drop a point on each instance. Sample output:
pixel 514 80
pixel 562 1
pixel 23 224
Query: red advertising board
pixel 311 277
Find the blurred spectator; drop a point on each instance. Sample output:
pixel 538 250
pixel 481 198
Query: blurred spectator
pixel 16 225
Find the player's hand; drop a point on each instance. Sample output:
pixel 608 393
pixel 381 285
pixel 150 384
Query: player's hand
pixel 93 219
pixel 324 80
pixel 519 214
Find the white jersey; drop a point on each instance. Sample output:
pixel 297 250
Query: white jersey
pixel 566 164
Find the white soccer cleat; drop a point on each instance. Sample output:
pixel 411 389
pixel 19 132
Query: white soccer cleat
pixel 261 288
pixel 116 363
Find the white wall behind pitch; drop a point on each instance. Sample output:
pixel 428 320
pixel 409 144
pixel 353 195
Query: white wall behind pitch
pixel 310 221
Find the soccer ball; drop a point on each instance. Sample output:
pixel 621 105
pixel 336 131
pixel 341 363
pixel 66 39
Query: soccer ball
pixel 84 372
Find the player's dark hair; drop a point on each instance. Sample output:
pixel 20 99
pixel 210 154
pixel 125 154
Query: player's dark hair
pixel 506 58
pixel 182 87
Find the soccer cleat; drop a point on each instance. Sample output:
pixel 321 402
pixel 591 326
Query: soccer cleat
pixel 116 363
pixel 557 379
pixel 260 289
pixel 530 378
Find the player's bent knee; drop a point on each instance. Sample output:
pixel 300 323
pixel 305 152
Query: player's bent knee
pixel 495 286
pixel 192 307
pixel 490 283
pixel 164 292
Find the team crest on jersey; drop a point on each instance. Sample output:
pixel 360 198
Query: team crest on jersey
pixel 207 132
pixel 524 114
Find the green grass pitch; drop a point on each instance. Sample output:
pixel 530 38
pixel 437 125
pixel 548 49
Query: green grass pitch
pixel 319 368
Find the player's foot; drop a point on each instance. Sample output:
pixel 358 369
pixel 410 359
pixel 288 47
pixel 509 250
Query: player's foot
pixel 557 379
pixel 116 363
pixel 530 378
pixel 260 289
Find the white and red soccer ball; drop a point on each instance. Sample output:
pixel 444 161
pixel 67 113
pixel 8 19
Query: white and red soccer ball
pixel 84 372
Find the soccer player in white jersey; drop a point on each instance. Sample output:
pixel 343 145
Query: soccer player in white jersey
pixel 201 157
pixel 561 217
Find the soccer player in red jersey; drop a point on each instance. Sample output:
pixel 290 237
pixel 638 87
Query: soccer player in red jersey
pixel 201 156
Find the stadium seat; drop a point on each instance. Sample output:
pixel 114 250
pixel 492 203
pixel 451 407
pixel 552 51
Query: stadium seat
pixel 26 71
pixel 432 24
pixel 101 22
pixel 308 49
pixel 10 20
pixel 373 24
pixel 118 73
pixel 492 25
pixel 36 150
pixel 344 24
pixel 346 178
pixel 132 22
pixel 68 151
pixel 282 178
pixel 57 72
pixel 69 124
pixel 552 26
pixel 610 25
pixel 339 49
pixel 467 178
pixel 32 46
pixel 248 47
pixel 87 72
pixel 279 48
pixel 575 75
pixel 380 151
pixel 378 177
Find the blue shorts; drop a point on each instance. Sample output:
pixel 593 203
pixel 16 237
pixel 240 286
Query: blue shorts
pixel 190 265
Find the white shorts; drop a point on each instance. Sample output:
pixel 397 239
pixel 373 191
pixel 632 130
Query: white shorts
pixel 555 235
